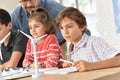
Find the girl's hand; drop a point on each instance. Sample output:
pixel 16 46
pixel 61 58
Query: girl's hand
pixel 32 65
pixel 40 65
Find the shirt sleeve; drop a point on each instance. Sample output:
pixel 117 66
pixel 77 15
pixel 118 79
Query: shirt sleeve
pixel 14 18
pixel 28 57
pixel 54 52
pixel 104 49
pixel 20 43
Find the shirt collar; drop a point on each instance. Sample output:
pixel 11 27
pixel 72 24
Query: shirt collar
pixel 1 41
pixel 82 42
pixel 24 12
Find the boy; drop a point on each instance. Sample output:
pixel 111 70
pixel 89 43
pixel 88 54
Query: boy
pixel 12 44
pixel 87 52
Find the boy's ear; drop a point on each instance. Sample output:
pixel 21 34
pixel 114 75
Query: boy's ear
pixel 10 25
pixel 83 28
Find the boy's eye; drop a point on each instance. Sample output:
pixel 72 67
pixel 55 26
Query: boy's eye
pixel 69 26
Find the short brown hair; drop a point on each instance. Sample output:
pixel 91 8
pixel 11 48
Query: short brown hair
pixel 42 15
pixel 71 13
pixel 4 17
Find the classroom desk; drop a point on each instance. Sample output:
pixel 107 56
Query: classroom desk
pixel 103 74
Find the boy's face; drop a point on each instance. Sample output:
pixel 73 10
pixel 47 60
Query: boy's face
pixel 4 30
pixel 71 31
pixel 29 5
pixel 37 29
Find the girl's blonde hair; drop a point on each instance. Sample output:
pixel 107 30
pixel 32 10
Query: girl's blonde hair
pixel 42 15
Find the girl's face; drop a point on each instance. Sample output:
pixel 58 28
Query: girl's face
pixel 71 31
pixel 37 29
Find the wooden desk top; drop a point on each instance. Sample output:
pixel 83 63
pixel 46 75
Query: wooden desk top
pixel 103 74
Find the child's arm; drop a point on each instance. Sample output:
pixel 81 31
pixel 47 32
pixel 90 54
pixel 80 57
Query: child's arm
pixel 28 59
pixel 86 66
pixel 13 62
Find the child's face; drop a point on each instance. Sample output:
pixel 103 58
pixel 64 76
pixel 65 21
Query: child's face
pixel 37 29
pixel 4 30
pixel 70 30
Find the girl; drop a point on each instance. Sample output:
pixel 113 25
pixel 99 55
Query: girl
pixel 47 49
pixel 87 52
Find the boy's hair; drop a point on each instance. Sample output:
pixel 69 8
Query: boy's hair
pixel 4 17
pixel 71 13
pixel 42 15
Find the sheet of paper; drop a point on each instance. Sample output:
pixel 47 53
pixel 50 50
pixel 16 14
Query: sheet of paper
pixel 18 73
pixel 61 71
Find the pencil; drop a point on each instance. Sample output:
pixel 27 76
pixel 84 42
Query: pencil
pixel 66 61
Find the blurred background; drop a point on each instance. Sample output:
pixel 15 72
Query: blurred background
pixel 102 16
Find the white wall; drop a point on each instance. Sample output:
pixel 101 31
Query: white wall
pixel 9 5
pixel 106 26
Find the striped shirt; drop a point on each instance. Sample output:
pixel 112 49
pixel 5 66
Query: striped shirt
pixel 90 48
pixel 48 52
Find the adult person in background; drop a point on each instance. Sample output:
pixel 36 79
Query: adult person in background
pixel 12 44
pixel 21 13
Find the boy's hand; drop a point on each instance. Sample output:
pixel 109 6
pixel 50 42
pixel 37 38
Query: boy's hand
pixel 66 64
pixel 82 65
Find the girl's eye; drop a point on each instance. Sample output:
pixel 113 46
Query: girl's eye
pixel 61 27
pixel 30 27
pixel 37 26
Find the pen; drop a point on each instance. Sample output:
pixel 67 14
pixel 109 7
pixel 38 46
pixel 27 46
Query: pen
pixel 66 61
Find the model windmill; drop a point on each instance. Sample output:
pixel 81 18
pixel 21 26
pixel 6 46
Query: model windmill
pixel 33 43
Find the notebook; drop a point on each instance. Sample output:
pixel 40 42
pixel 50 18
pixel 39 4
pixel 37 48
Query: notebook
pixel 20 72
pixel 61 70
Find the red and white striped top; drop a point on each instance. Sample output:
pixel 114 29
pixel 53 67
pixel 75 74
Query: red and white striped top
pixel 48 52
